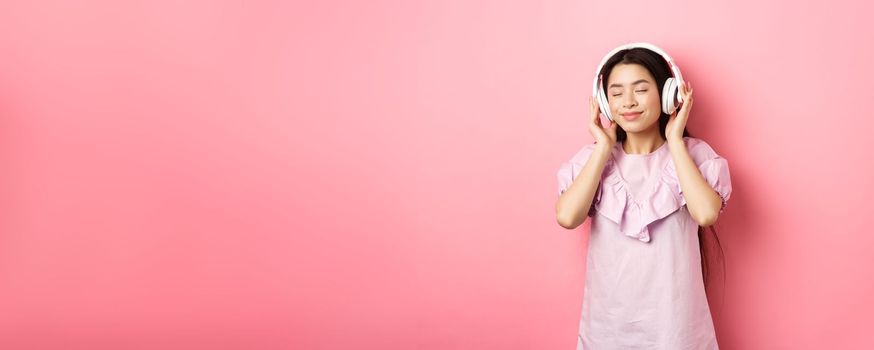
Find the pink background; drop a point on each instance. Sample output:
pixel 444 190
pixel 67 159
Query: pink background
pixel 381 174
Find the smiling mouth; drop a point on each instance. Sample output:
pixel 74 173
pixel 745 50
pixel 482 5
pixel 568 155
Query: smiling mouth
pixel 632 116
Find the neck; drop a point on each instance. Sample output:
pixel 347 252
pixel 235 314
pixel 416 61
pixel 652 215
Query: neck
pixel 643 142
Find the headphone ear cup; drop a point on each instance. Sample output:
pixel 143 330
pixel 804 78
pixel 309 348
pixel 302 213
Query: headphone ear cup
pixel 669 96
pixel 602 103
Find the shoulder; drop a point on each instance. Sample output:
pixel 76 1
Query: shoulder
pixel 700 150
pixel 582 154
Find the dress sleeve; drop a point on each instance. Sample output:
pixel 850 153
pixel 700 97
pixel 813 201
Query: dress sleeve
pixel 569 170
pixel 713 167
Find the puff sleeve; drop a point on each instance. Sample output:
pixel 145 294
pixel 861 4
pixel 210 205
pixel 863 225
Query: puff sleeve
pixel 569 170
pixel 713 167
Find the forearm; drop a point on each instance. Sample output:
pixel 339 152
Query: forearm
pixel 573 205
pixel 702 201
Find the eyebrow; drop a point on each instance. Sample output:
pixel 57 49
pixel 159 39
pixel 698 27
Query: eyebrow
pixel 634 83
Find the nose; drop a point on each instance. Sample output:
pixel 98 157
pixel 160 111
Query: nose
pixel 628 101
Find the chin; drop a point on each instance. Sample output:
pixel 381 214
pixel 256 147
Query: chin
pixel 633 127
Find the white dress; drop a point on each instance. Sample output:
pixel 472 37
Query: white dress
pixel 644 288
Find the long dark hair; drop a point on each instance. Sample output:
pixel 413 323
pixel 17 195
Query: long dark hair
pixel 658 67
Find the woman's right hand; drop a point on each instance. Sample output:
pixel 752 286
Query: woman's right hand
pixel 602 135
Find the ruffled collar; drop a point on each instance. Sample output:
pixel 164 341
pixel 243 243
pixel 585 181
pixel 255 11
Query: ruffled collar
pixel 633 215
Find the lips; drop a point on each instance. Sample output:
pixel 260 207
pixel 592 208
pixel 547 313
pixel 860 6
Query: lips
pixel 631 116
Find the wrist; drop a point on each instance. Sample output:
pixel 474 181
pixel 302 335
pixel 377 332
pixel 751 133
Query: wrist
pixel 604 146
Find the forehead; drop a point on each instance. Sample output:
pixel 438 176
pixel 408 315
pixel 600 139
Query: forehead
pixel 625 74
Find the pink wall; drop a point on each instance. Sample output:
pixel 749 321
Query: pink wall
pixel 381 175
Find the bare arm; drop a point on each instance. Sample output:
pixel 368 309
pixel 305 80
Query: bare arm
pixel 572 207
pixel 702 200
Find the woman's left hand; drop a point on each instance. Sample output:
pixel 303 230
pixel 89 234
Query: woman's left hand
pixel 677 120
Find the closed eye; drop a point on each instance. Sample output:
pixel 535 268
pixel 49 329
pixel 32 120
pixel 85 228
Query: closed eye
pixel 614 95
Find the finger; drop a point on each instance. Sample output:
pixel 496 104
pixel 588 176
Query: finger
pixel 596 113
pixel 592 108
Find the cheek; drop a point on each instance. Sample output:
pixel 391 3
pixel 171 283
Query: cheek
pixel 653 101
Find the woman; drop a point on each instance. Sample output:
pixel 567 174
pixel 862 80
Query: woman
pixel 648 187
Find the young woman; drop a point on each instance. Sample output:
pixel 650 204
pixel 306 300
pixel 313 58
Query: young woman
pixel 648 187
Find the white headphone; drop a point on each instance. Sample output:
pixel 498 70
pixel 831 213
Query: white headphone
pixel 671 98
